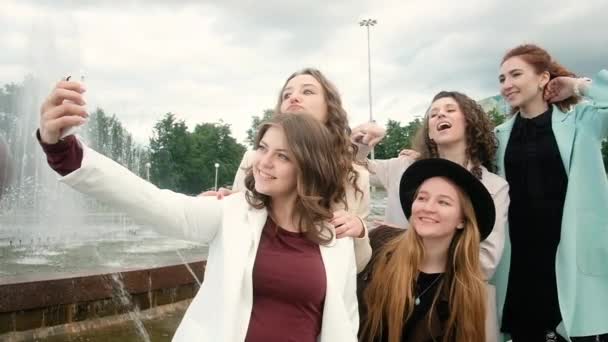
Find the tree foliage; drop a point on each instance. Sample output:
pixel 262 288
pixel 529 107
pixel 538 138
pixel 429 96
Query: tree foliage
pixel 255 123
pixel 185 161
pixel 398 137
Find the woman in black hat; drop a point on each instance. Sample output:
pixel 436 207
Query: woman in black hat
pixel 426 284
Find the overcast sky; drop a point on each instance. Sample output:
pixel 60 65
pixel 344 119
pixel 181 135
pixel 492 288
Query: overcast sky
pixel 212 60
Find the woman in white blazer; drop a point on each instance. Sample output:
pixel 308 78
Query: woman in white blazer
pixel 455 128
pixel 259 240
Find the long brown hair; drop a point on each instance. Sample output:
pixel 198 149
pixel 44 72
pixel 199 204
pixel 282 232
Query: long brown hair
pixel 541 61
pixel 480 139
pixel 389 296
pixel 320 181
pixel 337 123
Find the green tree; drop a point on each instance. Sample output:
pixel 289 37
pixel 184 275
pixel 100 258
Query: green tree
pixel 169 150
pixel 107 135
pixel 185 162
pixel 397 138
pixel 213 143
pixel 255 123
pixel 98 131
pixel 117 140
pixel 496 116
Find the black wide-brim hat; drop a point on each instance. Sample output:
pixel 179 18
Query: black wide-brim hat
pixel 421 170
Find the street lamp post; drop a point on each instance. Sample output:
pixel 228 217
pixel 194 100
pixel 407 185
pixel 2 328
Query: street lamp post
pixel 217 166
pixel 368 23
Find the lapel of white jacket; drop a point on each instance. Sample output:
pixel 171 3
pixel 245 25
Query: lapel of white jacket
pixel 240 294
pixel 331 263
pixel 256 219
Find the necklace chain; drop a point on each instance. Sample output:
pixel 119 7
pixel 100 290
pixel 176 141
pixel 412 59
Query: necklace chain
pixel 417 301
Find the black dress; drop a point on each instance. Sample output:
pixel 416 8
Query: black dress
pixel 537 182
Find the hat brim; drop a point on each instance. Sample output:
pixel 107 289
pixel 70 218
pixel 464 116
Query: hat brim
pixel 421 170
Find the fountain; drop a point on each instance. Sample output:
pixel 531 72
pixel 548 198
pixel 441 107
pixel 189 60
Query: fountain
pixel 68 263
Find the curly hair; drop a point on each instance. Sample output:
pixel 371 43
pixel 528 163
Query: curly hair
pixel 320 180
pixel 337 123
pixel 541 61
pixel 480 139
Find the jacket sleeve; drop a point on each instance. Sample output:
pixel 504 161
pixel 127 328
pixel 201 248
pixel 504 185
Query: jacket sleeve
pixel 361 208
pixel 173 214
pixel 378 168
pixel 493 246
pixel 594 111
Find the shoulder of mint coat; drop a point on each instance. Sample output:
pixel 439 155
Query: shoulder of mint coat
pixel 582 255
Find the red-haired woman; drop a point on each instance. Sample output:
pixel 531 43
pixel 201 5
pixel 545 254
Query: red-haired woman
pixel 553 279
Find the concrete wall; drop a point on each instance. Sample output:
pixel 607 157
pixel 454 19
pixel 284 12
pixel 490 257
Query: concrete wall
pixel 27 304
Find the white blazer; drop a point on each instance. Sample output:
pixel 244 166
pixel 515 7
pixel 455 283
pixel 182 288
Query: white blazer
pixel 221 309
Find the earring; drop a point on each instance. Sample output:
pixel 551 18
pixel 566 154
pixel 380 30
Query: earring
pixel 460 226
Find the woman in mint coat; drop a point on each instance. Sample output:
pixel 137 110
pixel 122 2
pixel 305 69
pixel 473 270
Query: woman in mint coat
pixel 552 282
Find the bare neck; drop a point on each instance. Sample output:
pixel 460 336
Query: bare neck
pixel 435 255
pixel 533 109
pixel 282 211
pixel 454 152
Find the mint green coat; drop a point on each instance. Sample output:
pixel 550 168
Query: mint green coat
pixel 582 255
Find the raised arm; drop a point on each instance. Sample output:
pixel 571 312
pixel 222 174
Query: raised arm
pixel 597 92
pixel 91 173
pixel 361 204
pixel 593 110
pixel 170 213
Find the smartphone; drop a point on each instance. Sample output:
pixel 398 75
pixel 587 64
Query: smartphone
pixel 73 129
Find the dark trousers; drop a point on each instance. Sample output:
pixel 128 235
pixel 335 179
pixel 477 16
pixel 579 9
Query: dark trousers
pixel 596 338
pixel 551 336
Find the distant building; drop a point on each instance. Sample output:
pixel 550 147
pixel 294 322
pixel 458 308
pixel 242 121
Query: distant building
pixel 496 101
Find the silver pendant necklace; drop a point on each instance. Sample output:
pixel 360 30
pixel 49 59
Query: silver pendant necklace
pixel 417 300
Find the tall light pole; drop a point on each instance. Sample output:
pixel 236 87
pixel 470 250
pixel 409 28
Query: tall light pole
pixel 368 23
pixel 217 166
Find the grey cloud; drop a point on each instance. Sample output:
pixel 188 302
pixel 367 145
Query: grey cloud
pixel 306 27
pixel 469 49
pixel 438 49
